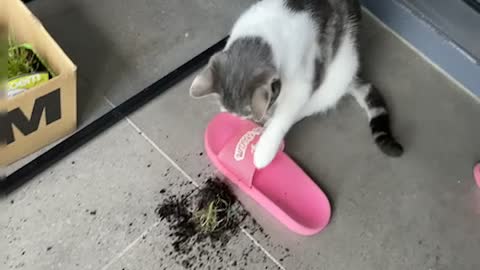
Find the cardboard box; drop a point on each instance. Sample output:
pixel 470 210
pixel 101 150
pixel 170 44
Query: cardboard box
pixel 43 114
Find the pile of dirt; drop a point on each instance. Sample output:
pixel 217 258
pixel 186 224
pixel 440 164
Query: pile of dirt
pixel 209 215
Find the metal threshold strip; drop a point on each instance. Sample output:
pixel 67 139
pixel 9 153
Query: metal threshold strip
pixel 475 4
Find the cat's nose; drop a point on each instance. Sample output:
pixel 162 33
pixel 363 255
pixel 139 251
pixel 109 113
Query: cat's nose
pixel 260 122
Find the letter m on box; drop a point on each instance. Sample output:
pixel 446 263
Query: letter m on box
pixel 49 103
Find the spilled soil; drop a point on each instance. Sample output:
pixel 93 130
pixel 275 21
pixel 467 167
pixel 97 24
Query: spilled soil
pixel 206 219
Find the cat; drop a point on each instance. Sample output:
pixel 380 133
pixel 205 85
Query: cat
pixel 288 59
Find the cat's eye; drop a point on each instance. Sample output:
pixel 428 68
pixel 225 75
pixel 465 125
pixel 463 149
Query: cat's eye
pixel 276 85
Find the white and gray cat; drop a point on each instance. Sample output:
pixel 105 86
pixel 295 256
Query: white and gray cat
pixel 289 59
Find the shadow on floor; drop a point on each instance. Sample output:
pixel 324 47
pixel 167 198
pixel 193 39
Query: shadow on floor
pixel 89 48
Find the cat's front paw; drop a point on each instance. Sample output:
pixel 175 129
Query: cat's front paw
pixel 265 152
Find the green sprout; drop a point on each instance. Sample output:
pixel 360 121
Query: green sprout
pixel 215 216
pixel 21 60
pixel 3 55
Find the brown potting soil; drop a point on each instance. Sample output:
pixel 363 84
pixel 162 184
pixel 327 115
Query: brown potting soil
pixel 193 247
pixel 181 213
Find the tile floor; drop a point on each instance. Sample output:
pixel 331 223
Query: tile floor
pixel 95 208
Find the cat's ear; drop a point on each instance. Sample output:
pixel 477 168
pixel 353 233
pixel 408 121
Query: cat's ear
pixel 260 101
pixel 203 84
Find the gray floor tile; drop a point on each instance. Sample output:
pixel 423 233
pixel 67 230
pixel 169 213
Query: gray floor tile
pixel 155 252
pixel 417 212
pixel 178 126
pixel 122 47
pixel 86 209
pixel 91 105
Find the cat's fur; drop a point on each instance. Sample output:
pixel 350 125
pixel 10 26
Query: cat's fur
pixel 288 59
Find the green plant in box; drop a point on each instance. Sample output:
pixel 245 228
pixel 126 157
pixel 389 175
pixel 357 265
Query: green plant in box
pixel 3 56
pixel 25 69
pixel 21 61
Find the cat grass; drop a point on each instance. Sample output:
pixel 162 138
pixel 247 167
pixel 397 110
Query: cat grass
pixel 22 68
pixel 21 60
pixel 210 213
pixel 3 54
pixel 213 217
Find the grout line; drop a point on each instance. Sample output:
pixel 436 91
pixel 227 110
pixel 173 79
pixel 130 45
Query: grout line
pixel 255 241
pixel 133 243
pixel 162 153
pixel 157 148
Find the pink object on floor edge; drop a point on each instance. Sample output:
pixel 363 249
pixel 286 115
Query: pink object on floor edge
pixel 476 174
pixel 282 188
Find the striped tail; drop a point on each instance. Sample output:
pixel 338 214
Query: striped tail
pixel 374 104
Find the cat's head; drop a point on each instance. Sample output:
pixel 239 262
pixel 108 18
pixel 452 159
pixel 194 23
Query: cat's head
pixel 246 84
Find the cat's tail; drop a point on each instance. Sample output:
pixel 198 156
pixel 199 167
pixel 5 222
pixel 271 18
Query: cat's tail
pixel 372 101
